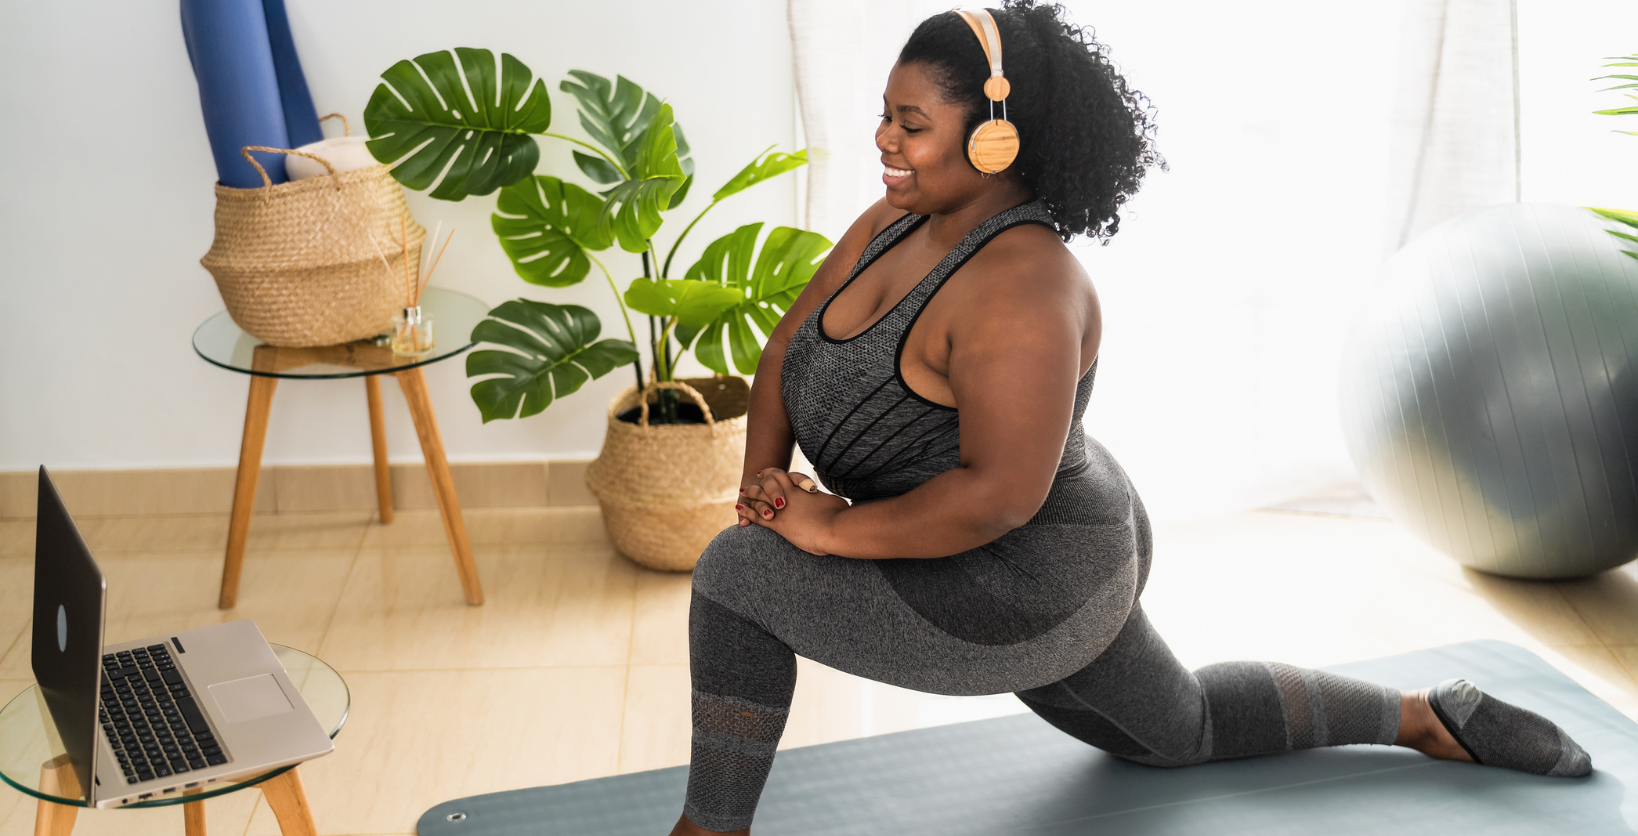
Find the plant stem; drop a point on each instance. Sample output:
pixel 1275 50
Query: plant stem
pixel 617 166
pixel 632 332
pixel 667 398
pixel 665 272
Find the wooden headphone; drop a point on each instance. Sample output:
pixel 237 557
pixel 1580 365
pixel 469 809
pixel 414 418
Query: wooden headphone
pixel 993 145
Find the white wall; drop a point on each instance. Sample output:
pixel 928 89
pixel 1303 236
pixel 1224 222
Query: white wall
pixel 106 201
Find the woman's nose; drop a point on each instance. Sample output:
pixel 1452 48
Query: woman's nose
pixel 884 141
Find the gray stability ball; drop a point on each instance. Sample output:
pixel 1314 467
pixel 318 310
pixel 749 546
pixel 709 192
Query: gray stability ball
pixel 1489 392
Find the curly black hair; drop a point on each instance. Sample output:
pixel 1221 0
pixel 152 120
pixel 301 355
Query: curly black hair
pixel 1085 136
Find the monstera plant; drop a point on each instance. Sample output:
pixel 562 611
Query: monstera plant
pixel 463 124
pixel 1624 217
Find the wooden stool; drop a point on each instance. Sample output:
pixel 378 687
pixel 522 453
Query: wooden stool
pixel 222 343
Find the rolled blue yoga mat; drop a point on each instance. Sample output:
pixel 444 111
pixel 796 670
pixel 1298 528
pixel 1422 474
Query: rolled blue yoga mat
pixel 300 118
pixel 251 87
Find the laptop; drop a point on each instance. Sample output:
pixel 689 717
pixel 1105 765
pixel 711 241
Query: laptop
pixel 145 719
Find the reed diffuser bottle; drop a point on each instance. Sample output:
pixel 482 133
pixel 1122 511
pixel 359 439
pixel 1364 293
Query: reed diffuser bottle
pixel 411 326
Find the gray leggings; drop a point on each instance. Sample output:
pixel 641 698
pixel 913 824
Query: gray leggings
pixel 1100 673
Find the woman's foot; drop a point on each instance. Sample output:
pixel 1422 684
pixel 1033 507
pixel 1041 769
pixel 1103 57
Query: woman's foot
pixel 684 827
pixel 1454 720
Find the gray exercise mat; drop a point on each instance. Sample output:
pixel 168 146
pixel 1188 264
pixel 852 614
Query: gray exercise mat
pixel 1017 775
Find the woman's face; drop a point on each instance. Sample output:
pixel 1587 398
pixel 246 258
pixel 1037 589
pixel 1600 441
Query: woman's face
pixel 924 146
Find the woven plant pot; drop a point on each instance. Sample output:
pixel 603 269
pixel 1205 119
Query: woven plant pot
pixel 667 489
pixel 299 264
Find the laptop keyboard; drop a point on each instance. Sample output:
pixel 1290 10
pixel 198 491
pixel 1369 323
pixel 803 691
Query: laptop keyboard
pixel 150 717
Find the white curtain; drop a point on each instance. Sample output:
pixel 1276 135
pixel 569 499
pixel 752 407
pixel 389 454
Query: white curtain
pixel 1306 141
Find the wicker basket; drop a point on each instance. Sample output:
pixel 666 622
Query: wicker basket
pixel 299 264
pixel 667 489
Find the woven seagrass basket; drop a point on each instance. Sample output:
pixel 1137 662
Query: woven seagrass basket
pixel 667 489
pixel 299 263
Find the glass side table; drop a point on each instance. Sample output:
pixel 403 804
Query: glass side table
pixel 222 343
pixel 31 761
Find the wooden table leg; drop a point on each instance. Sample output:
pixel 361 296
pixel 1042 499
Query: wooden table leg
pixel 443 487
pixel 289 802
pixel 193 816
pixel 244 486
pixel 378 442
pixel 56 778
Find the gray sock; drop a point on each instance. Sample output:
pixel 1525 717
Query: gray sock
pixel 1498 734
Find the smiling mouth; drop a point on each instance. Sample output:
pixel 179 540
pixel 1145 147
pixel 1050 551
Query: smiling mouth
pixel 898 172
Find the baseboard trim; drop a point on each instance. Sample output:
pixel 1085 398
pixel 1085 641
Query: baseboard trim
pixel 296 488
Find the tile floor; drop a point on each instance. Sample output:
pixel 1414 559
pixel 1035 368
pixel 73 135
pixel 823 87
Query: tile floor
pixel 577 666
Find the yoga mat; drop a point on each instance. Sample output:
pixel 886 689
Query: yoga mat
pixel 251 87
pixel 301 122
pixel 1017 775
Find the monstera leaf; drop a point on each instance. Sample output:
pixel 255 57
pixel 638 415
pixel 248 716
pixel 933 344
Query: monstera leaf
pixel 765 167
pixel 616 115
pixel 557 351
pixel 429 126
pixel 633 207
pixel 546 226
pixel 788 260
pixel 694 303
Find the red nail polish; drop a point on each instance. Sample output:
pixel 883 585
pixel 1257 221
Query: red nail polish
pixel 739 507
pixel 768 514
pixel 779 502
pixel 742 490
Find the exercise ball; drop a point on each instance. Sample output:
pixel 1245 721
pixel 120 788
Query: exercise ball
pixel 1488 391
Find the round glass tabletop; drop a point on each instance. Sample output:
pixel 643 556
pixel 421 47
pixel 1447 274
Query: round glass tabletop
pixel 26 747
pixel 453 315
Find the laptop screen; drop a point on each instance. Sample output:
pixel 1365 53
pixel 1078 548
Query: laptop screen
pixel 68 616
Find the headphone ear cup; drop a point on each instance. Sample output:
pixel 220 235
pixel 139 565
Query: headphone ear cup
pixel 993 146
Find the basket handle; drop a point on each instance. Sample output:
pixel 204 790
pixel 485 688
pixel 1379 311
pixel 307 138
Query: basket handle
pixel 267 182
pixel 642 402
pixel 346 126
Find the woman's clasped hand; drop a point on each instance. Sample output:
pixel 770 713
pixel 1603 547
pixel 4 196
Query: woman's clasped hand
pixel 791 505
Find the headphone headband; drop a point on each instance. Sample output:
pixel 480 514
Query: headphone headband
pixel 983 25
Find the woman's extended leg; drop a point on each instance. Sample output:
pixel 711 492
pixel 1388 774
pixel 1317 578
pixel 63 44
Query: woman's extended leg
pixel 1137 701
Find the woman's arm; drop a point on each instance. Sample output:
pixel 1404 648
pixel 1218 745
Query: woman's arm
pixel 768 435
pixel 1016 344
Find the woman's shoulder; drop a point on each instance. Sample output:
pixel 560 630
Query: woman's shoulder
pixel 1028 256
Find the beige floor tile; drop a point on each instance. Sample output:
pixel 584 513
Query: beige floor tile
pixel 660 628
pixel 16 598
pixel 226 815
pixel 291 595
pixel 416 739
pixel 16 538
pixel 656 726
pixel 1600 670
pixel 1608 602
pixel 547 605
pixel 493 526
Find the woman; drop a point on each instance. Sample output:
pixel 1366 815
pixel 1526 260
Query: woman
pixel 935 372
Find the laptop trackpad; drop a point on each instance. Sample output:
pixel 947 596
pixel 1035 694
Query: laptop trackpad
pixel 250 699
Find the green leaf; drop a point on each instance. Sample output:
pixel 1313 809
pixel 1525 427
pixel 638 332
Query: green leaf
pixel 768 165
pixel 1620 111
pixel 633 207
pixel 767 288
pixel 616 114
pixel 1622 216
pixel 429 126
pixel 693 303
pixel 546 226
pixel 553 355
pixel 597 168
